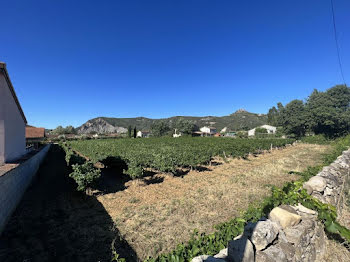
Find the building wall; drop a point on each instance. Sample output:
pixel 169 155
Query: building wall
pixel 12 128
pixel 14 183
pixel 2 141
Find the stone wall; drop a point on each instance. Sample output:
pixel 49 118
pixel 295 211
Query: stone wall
pixel 290 233
pixel 14 183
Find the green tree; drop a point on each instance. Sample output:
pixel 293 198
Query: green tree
pixel 328 112
pixel 69 130
pixel 260 130
pixel 129 131
pixel 272 116
pixel 58 130
pixel 160 128
pixel 293 118
pixel 185 126
pixel 135 132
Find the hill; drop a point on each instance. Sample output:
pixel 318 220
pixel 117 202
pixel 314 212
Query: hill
pixel 240 120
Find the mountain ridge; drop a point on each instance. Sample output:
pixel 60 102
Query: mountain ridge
pixel 240 120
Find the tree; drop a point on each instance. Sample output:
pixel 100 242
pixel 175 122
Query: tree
pixel 135 132
pixel 160 128
pixel 328 112
pixel 272 116
pixel 185 126
pixel 58 130
pixel 70 130
pixel 129 131
pixel 260 130
pixel 294 119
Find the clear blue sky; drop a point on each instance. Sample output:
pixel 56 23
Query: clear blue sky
pixel 71 61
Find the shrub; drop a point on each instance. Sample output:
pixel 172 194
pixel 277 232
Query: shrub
pixel 85 175
pixel 317 139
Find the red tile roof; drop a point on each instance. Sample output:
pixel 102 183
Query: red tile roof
pixel 35 132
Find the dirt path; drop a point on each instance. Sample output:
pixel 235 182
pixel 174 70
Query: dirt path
pixel 55 223
pixel 159 212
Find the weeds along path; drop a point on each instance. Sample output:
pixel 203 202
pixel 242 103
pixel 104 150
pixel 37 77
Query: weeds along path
pixel 53 222
pixel 156 213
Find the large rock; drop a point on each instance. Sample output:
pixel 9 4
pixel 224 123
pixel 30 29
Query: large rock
pixel 284 217
pixel 262 233
pixel 240 250
pixel 304 210
pixel 206 258
pixel 222 254
pixel 317 183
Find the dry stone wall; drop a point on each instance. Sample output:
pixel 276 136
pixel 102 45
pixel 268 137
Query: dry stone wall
pixel 290 233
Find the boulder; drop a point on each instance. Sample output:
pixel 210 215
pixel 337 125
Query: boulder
pixel 317 183
pixel 240 250
pixel 206 258
pixel 308 188
pixel 262 233
pixel 301 209
pixel 283 217
pixel 289 209
pixel 199 258
pixel 222 254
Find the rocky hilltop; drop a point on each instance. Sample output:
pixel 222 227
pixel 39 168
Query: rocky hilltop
pixel 240 120
pixel 100 125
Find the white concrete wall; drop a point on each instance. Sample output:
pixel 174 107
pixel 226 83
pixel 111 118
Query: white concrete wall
pixel 12 129
pixel 14 183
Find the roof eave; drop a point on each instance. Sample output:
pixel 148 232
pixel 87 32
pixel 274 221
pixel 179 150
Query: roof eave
pixel 9 83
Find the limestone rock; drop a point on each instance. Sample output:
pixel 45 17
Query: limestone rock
pixel 199 258
pixel 262 233
pixel 222 254
pixel 241 250
pixel 305 210
pixel 275 254
pixel 308 188
pixel 283 217
pixel 206 258
pixel 296 233
pixel 317 183
pixel 289 209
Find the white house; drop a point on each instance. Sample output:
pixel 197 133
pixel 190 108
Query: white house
pixel 12 121
pixel 270 130
pixel 142 134
pixel 177 134
pixel 209 131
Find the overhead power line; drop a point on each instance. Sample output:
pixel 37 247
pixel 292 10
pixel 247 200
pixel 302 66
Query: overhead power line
pixel 337 44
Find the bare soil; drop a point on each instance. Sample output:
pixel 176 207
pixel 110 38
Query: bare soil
pixel 54 222
pixel 142 217
pixel 157 213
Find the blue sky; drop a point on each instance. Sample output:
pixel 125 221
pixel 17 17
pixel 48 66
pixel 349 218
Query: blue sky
pixel 70 61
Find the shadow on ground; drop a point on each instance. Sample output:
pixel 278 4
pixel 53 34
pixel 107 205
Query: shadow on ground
pixel 54 222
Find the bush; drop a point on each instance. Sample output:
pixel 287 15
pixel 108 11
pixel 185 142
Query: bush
pixel 317 139
pixel 85 175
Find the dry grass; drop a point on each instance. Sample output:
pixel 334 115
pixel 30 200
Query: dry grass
pixel 154 218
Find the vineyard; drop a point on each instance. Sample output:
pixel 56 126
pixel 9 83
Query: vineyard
pixel 135 156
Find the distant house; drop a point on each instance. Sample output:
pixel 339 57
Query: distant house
pixel 208 131
pixel 230 134
pixel 12 120
pixel 177 134
pixel 143 134
pixel 34 135
pixel 270 130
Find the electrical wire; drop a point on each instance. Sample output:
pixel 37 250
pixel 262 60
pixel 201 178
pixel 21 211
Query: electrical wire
pixel 337 44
